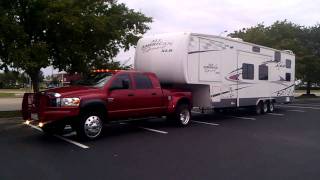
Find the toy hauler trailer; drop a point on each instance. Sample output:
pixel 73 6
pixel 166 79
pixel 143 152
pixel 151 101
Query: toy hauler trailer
pixel 221 72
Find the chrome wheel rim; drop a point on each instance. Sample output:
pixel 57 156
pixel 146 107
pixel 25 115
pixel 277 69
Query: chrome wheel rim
pixel 92 126
pixel 185 116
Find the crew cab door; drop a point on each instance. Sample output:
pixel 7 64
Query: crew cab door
pixel 149 97
pixel 121 98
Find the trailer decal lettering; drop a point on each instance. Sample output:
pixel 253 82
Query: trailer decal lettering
pixel 157 44
pixel 211 68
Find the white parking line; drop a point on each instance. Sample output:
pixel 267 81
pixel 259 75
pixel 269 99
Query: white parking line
pixel 73 133
pixel 153 130
pixel 72 142
pixel 309 104
pixel 241 117
pixel 60 137
pixel 207 123
pixel 276 114
pixel 196 112
pixel 301 107
pixel 147 129
pixel 296 110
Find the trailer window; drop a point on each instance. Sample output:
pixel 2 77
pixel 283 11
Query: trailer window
pixel 263 72
pixel 277 56
pixel 247 71
pixel 288 63
pixel 255 49
pixel 288 76
pixel 142 81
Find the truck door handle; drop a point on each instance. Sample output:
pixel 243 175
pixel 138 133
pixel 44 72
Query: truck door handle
pixel 130 94
pixel 154 94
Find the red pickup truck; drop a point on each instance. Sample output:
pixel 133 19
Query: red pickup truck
pixel 106 96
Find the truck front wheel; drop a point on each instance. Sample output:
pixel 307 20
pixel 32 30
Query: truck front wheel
pixel 90 126
pixel 182 115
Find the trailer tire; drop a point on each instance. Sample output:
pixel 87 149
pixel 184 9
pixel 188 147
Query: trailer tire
pixel 270 107
pixel 259 108
pixel 265 107
pixel 90 126
pixel 182 115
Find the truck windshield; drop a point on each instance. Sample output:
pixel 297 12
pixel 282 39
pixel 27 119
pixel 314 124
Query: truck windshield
pixel 96 80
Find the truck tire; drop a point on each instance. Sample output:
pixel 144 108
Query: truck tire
pixel 90 126
pixel 182 115
pixel 270 107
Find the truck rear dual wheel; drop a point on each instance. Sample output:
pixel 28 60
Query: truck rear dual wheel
pixel 182 115
pixel 90 126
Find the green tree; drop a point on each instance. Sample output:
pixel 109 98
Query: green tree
pixel 303 41
pixel 72 35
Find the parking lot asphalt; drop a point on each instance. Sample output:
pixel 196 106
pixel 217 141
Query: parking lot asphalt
pixel 231 145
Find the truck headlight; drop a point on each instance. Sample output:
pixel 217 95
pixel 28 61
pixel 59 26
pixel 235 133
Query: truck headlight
pixel 70 101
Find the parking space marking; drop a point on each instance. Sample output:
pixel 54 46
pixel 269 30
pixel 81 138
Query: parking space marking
pixel 276 114
pixel 145 128
pixel 72 142
pixel 60 137
pixel 296 110
pixel 309 104
pixel 152 130
pixel 73 133
pixel 196 112
pixel 300 107
pixel 246 118
pixel 207 123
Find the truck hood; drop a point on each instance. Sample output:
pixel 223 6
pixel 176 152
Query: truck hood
pixel 75 90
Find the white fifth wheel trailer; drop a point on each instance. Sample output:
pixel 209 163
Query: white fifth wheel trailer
pixel 221 72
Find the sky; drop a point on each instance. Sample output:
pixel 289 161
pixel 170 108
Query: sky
pixel 215 16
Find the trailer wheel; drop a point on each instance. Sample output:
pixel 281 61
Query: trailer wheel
pixel 259 108
pixel 264 107
pixel 90 126
pixel 182 115
pixel 270 107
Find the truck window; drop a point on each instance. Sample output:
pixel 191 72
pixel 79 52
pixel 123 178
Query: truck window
pixel 142 81
pixel 121 82
pixel 247 71
pixel 288 76
pixel 263 72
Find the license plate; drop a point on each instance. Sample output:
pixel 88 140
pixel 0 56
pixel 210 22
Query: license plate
pixel 34 116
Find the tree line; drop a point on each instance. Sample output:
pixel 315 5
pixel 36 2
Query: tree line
pixel 302 40
pixel 71 35
pixel 79 35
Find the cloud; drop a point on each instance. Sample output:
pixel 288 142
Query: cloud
pixel 216 16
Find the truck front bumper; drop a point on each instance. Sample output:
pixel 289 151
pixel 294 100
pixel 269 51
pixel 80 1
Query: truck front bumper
pixel 52 115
